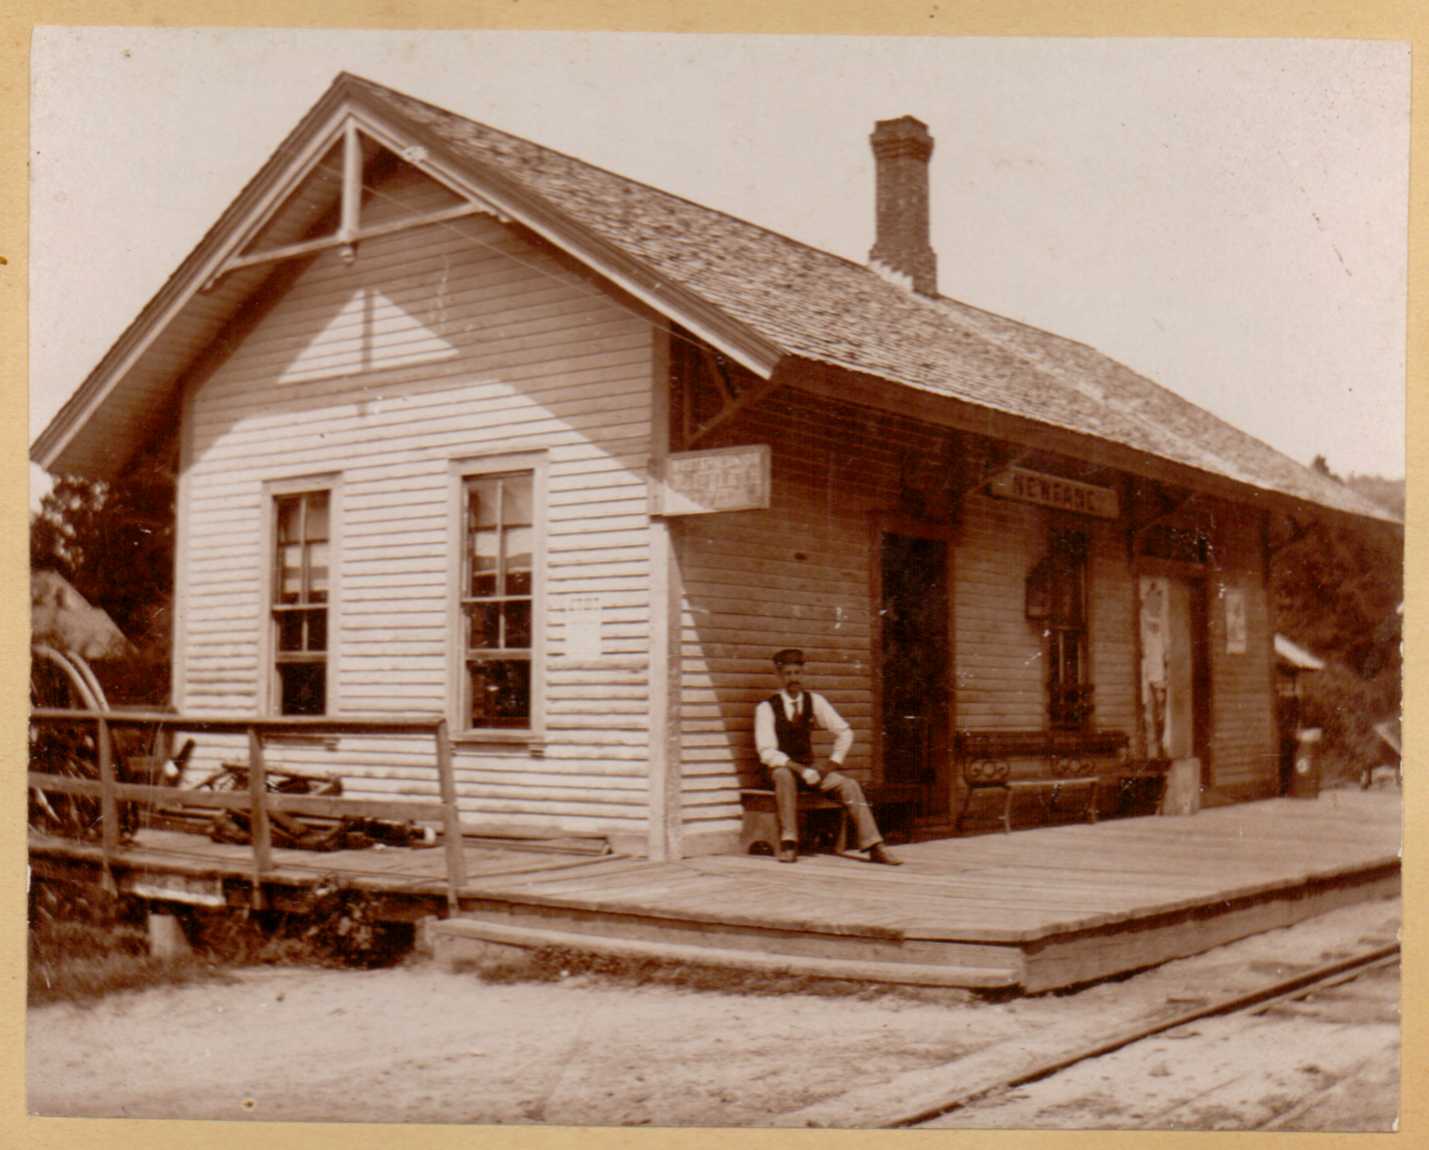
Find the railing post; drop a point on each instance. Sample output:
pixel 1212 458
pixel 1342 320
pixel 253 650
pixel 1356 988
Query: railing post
pixel 446 781
pixel 108 808
pixel 258 816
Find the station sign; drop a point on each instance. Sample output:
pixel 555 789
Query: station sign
pixel 724 479
pixel 1053 491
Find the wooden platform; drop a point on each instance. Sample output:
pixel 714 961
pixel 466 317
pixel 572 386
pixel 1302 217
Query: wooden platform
pixel 1033 910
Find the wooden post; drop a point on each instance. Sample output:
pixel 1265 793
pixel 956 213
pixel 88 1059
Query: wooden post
pixel 664 815
pixel 258 816
pixel 108 808
pixel 351 191
pixel 446 781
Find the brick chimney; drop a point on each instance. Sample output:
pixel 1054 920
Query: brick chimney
pixel 901 150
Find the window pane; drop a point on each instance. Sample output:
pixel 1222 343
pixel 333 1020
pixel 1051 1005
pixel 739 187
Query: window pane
pixel 518 625
pixel 483 626
pixel 483 564
pixel 518 561
pixel 500 693
pixel 481 503
pixel 290 630
pixel 302 688
pixel 1071 671
pixel 317 573
pixel 317 630
pixel 516 489
pixel 290 574
pixel 290 513
pixel 317 526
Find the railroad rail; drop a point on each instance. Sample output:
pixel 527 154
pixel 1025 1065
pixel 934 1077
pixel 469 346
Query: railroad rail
pixel 1253 1001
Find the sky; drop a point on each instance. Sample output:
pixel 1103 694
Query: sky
pixel 1227 217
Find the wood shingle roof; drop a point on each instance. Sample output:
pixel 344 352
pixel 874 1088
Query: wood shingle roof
pixel 781 298
pixel 822 307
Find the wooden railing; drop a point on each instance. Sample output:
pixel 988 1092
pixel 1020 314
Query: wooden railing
pixel 258 802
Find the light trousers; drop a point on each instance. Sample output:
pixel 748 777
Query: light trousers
pixel 839 786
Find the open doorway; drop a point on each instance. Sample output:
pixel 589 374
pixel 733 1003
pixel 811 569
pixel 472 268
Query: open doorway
pixel 1176 669
pixel 914 662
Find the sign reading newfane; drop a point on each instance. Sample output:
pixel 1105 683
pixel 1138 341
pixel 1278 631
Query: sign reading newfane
pixel 1054 491
pixel 725 479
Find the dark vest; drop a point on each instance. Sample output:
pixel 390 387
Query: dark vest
pixel 796 739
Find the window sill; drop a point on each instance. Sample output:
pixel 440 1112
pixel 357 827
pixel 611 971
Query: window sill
pixel 328 742
pixel 529 741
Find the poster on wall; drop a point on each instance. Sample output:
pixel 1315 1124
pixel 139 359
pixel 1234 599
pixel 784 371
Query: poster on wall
pixel 1154 661
pixel 1235 620
pixel 583 637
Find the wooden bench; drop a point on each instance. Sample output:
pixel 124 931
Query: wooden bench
pixel 1062 761
pixel 759 825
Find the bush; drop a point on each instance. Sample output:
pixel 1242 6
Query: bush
pixel 1346 707
pixel 337 925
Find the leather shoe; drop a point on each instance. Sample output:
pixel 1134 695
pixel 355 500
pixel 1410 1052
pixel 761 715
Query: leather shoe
pixel 788 852
pixel 877 854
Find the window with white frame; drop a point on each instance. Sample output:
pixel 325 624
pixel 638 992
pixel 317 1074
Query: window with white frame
pixel 497 597
pixel 300 601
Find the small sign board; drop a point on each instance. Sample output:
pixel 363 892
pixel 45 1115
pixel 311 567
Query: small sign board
pixel 724 479
pixel 1235 621
pixel 1053 491
pixel 583 632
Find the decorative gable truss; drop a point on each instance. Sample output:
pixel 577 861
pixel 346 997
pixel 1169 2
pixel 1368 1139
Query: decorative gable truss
pixel 314 194
pixel 321 205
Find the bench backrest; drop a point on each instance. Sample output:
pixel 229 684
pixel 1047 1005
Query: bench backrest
pixel 989 758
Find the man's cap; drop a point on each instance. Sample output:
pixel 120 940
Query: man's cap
pixel 789 656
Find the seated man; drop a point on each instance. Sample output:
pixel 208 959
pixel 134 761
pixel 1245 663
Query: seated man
pixel 783 734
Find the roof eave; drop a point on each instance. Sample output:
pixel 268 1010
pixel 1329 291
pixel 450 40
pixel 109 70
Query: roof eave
pixel 837 381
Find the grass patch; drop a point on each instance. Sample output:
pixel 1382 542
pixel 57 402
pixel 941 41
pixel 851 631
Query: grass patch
pixel 83 963
pixel 558 964
pixel 85 944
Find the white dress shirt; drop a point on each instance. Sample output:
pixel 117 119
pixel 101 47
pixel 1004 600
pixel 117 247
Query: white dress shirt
pixel 766 741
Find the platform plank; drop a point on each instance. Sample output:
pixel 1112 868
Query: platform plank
pixel 1063 902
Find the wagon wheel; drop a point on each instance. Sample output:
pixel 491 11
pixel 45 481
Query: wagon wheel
pixel 58 680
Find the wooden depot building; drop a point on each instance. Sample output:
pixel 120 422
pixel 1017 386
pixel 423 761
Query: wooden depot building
pixel 465 426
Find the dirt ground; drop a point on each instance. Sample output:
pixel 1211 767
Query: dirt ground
pixel 418 1043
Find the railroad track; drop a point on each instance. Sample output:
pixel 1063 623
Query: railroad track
pixel 1256 1001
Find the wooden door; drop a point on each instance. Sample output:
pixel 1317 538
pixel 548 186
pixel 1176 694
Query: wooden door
pixel 914 654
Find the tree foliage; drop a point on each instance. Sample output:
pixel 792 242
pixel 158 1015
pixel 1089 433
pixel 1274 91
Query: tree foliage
pixel 1339 591
pixel 115 545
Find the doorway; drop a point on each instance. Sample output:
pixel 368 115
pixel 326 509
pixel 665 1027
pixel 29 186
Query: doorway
pixel 914 663
pixel 1176 669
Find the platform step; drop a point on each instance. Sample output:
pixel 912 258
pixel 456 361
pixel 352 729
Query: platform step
pixel 458 939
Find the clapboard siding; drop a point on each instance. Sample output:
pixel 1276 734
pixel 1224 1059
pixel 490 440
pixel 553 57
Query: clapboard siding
pixel 1000 674
pixel 439 344
pixel 1243 740
pixel 801 574
pixel 796 574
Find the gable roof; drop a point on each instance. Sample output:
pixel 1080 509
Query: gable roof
pixel 760 297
